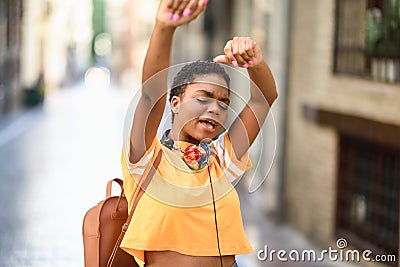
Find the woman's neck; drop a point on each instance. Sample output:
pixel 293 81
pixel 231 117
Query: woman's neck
pixel 177 135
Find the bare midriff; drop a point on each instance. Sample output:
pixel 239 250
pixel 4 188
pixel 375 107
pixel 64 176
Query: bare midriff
pixel 172 258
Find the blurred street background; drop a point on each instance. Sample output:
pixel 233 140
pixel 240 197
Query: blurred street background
pixel 331 150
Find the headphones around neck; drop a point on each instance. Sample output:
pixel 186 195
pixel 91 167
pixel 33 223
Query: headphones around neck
pixel 195 156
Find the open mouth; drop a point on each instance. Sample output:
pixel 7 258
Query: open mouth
pixel 209 124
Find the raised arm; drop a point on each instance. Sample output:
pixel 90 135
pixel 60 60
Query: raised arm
pixel 149 111
pixel 244 52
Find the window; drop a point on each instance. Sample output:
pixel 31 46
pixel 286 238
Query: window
pixel 368 195
pixel 367 39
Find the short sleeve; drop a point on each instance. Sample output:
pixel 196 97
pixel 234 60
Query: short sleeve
pixel 232 166
pixel 139 167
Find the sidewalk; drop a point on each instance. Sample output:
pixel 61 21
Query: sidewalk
pixel 54 164
pixel 266 235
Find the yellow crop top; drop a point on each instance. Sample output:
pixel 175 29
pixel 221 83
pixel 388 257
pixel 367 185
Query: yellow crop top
pixel 176 212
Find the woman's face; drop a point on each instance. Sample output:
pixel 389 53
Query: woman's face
pixel 202 109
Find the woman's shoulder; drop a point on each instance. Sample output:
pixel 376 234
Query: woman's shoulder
pixel 148 157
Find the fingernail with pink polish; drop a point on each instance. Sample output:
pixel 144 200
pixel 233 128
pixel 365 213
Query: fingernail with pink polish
pixel 170 16
pixel 205 2
pixel 234 63
pixel 251 62
pixel 245 66
pixel 176 17
pixel 187 12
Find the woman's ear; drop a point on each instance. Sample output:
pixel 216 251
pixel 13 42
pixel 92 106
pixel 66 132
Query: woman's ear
pixel 175 103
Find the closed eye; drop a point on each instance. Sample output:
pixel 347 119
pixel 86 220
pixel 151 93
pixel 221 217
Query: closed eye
pixel 223 105
pixel 203 99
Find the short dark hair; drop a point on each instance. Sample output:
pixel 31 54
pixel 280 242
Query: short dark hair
pixel 189 72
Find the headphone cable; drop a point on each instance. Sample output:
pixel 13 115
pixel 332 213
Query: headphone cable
pixel 215 215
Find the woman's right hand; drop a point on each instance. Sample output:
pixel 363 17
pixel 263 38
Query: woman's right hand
pixel 178 12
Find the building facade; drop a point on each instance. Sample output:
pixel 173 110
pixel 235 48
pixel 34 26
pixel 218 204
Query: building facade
pixel 10 48
pixel 43 45
pixel 343 124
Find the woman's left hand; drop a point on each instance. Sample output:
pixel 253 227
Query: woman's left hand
pixel 241 51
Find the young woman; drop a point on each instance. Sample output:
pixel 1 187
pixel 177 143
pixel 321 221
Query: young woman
pixel 190 213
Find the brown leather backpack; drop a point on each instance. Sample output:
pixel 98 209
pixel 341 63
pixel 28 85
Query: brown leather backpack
pixel 102 225
pixel 105 224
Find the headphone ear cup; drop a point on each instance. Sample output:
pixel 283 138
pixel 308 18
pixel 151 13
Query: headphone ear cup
pixel 196 156
pixel 166 141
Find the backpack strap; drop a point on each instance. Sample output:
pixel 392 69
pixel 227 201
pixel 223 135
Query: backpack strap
pixel 109 185
pixel 142 189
